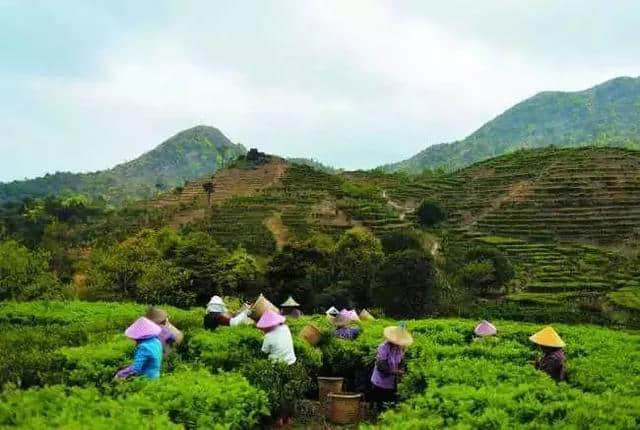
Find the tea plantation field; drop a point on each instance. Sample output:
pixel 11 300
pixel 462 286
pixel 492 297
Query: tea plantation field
pixel 58 360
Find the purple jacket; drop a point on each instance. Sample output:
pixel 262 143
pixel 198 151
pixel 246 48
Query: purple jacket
pixel 552 362
pixel 347 333
pixel 390 358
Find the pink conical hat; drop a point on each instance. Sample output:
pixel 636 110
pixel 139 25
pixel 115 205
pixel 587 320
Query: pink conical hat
pixel 485 328
pixel 353 315
pixel 142 328
pixel 343 318
pixel 270 319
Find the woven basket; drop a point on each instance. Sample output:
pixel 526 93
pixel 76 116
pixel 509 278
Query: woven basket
pixel 326 385
pixel 344 408
pixel 311 334
pixel 261 306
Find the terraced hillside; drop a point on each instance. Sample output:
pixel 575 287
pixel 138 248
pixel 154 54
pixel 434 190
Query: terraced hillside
pixel 563 216
pixel 279 202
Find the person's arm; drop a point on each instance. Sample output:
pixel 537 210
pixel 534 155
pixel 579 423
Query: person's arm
pixel 139 359
pixel 239 319
pixel 266 345
pixel 223 319
pixel 383 366
pixel 382 363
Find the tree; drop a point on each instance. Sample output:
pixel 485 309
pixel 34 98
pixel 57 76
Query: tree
pixel 396 241
pixel 430 213
pixel 238 274
pixel 478 276
pixel 163 282
pixel 358 258
pixel 303 271
pixel 407 286
pixel 200 254
pixel 486 269
pixel 25 275
pixel 208 188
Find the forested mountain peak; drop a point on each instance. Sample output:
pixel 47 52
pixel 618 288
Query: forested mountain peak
pixel 607 114
pixel 188 155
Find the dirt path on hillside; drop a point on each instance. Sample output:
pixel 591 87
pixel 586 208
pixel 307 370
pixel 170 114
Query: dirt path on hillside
pixel 402 210
pixel 278 229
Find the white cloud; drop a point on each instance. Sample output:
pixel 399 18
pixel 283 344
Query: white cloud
pixel 353 83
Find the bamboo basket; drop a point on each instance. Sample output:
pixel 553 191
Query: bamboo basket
pixel 326 385
pixel 261 306
pixel 311 334
pixel 344 408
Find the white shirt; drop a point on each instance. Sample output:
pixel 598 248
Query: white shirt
pixel 278 343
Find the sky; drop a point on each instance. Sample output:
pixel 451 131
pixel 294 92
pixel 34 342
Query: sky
pixel 85 85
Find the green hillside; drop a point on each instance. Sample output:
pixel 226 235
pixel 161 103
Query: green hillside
pixel 188 155
pixel 607 114
pixel 567 220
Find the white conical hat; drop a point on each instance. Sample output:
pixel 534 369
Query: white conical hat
pixel 332 311
pixel 290 303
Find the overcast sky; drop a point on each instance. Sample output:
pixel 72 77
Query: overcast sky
pixel 85 84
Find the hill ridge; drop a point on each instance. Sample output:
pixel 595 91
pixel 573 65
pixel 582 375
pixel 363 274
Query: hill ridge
pixel 605 114
pixel 187 155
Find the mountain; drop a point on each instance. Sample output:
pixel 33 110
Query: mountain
pixel 607 114
pixel 188 155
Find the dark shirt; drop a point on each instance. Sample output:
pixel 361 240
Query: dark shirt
pixel 213 319
pixel 552 362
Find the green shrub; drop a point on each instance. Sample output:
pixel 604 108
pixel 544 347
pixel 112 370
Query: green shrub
pixel 96 363
pixel 198 399
pixel 284 384
pixel 401 241
pixel 407 285
pixel 25 275
pixel 191 399
pixel 75 408
pixel 430 213
pixel 487 268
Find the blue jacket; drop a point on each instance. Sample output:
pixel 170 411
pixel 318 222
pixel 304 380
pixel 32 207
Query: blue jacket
pixel 147 359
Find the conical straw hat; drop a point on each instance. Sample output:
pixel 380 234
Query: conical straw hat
pixel 343 319
pixel 290 303
pixel 142 328
pixel 156 315
pixel 548 337
pixel 366 316
pixel 398 336
pixel 485 328
pixel 270 319
pixel 353 315
pixel 332 311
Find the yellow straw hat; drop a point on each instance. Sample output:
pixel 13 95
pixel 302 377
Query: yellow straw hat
pixel 548 337
pixel 366 316
pixel 398 336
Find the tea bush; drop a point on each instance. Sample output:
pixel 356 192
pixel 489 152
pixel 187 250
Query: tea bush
pixel 61 407
pixel 452 381
pixel 192 399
